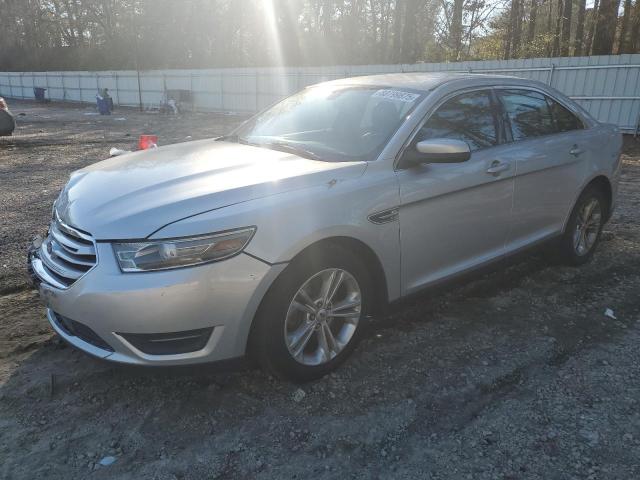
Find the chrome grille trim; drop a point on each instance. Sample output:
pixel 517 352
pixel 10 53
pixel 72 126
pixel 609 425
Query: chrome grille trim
pixel 65 255
pixel 71 257
pixel 58 265
pixel 43 274
pixel 70 243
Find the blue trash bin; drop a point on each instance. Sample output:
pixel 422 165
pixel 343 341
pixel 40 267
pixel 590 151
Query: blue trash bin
pixel 104 106
pixel 38 92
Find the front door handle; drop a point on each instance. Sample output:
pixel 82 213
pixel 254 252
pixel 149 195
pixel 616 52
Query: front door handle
pixel 498 167
pixel 575 151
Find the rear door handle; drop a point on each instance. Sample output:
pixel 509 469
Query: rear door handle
pixel 498 167
pixel 575 151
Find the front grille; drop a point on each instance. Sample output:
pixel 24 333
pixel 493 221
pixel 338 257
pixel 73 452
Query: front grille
pixel 64 256
pixel 80 330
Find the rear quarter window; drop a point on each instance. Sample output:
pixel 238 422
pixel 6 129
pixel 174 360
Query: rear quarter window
pixel 565 120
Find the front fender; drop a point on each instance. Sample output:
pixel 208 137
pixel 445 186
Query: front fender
pixel 290 222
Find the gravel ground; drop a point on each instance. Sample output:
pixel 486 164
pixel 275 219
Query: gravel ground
pixel 517 374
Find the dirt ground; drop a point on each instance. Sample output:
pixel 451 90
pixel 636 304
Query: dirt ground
pixel 517 374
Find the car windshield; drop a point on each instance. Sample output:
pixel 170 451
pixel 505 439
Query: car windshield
pixel 331 123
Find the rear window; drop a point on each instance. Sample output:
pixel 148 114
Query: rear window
pixel 528 113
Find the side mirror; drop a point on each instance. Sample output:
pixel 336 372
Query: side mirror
pixel 440 150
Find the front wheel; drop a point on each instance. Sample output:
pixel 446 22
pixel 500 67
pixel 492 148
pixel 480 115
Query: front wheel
pixel 584 227
pixel 312 317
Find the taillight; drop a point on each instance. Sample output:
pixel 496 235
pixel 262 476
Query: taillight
pixel 3 104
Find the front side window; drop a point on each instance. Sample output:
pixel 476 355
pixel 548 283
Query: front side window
pixel 528 113
pixel 332 123
pixel 468 117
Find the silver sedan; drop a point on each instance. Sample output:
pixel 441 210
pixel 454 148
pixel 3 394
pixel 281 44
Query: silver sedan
pixel 282 238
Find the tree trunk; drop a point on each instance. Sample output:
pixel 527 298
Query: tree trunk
pixel 517 29
pixel 550 27
pixel 533 16
pixel 566 27
pixel 635 29
pixel 397 30
pixel 327 8
pixel 556 35
pixel 509 44
pixel 409 33
pixel 579 41
pixel 606 27
pixel 456 28
pixel 588 44
pixel 623 43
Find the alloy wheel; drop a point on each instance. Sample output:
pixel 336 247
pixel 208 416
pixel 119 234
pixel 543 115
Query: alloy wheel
pixel 323 316
pixel 588 226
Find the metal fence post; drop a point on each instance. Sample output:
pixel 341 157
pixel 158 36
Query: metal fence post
pixel 221 92
pixel 551 70
pixel 115 75
pixel 193 100
pixel 257 91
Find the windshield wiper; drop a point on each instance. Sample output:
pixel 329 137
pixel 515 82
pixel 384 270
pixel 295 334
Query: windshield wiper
pixel 227 138
pixel 288 148
pixel 233 139
pixel 279 146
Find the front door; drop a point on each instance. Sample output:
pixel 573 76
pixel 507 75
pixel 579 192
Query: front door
pixel 456 216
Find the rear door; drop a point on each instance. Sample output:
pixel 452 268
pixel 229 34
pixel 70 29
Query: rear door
pixel 548 145
pixel 455 216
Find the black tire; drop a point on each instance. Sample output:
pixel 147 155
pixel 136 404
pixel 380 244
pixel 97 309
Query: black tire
pixel 267 344
pixel 568 251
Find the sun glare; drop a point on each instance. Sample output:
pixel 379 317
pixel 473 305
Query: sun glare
pixel 273 31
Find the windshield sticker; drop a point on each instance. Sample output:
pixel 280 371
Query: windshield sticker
pixel 396 95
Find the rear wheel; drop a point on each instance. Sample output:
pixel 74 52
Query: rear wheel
pixel 584 227
pixel 312 317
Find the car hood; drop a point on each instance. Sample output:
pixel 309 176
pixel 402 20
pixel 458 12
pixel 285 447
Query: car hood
pixel 134 195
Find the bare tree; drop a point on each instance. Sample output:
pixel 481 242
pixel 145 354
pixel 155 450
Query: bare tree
pixel 566 28
pixel 512 39
pixel 605 27
pixel 533 16
pixel 592 27
pixel 578 41
pixel 558 30
pixel 624 44
pixel 456 28
pixel 635 29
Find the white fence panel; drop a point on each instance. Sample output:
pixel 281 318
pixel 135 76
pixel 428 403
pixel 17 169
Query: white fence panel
pixel 606 86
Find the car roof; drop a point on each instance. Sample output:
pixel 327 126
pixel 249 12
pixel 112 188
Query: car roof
pixel 425 81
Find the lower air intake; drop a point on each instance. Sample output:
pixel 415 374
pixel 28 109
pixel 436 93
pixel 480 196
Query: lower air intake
pixel 169 343
pixel 77 329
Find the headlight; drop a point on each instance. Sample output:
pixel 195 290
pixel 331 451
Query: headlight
pixel 181 252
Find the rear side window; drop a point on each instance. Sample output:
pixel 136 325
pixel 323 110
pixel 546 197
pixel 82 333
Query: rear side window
pixel 468 117
pixel 528 113
pixel 565 120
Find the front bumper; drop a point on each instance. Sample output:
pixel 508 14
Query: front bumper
pixel 218 300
